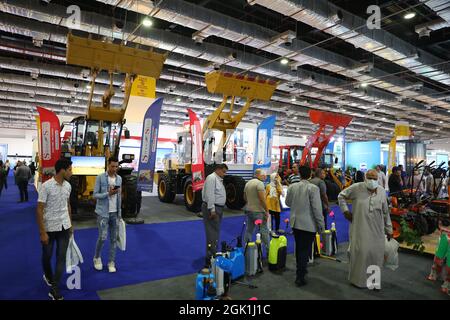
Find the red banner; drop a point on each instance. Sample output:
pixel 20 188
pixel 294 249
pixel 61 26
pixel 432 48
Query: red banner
pixel 50 147
pixel 198 167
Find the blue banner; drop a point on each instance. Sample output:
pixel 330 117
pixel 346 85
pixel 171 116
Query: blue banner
pixel 263 150
pixel 149 144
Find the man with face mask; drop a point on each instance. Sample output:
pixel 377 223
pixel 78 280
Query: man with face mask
pixel 369 223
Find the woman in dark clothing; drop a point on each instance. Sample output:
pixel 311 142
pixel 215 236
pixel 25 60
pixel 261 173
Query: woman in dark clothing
pixel 394 182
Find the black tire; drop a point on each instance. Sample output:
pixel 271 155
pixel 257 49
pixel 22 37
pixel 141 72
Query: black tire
pixel 166 191
pixel 420 224
pixel 74 183
pixel 234 187
pixel 192 200
pixel 129 196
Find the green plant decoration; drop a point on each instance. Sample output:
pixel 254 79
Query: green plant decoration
pixel 411 237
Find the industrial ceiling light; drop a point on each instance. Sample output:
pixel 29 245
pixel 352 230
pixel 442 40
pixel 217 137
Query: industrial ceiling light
pixel 88 86
pixel 409 15
pixel 77 101
pixel 441 121
pixel 147 22
pixel 293 99
pixel 284 61
pixel 178 99
pixel 364 84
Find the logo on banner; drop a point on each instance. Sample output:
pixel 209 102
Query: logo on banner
pixel 155 141
pixel 46 141
pixel 262 146
pixel 146 141
pixel 56 140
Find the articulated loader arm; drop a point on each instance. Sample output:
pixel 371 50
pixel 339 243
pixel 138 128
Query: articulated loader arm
pixel 114 58
pixel 231 86
pixel 321 139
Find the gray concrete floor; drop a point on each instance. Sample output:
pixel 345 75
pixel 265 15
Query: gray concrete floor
pixel 152 211
pixel 327 279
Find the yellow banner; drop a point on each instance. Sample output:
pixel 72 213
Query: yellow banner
pixel 402 130
pixel 144 87
pixel 392 153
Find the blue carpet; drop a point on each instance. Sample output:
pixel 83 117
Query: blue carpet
pixel 154 251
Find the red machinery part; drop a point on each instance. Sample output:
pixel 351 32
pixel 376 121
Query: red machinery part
pixel 320 139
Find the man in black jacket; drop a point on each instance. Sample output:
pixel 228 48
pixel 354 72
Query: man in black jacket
pixel 395 184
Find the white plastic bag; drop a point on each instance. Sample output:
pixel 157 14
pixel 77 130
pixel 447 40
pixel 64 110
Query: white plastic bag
pixel 391 254
pixel 121 235
pixel 73 255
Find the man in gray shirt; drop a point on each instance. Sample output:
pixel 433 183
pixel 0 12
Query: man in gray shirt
pixel 214 198
pixel 318 180
pixel 22 175
pixel 255 196
pixel 306 219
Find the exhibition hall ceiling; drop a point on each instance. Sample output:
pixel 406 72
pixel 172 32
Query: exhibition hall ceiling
pixel 327 55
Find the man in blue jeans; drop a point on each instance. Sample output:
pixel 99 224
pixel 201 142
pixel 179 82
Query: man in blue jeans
pixel 107 191
pixel 55 223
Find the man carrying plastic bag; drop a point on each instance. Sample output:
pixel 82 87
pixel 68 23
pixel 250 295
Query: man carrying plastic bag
pixel 73 255
pixel 391 254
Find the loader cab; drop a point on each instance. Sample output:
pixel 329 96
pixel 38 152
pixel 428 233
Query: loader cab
pixel 290 155
pixel 184 148
pixel 93 137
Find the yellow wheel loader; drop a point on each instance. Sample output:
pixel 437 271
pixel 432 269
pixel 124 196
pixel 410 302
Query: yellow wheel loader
pixel 176 178
pixel 98 133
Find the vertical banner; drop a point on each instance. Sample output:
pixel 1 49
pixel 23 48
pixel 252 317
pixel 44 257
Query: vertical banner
pixel 149 144
pixel 198 167
pixel 49 131
pixel 392 153
pixel 264 138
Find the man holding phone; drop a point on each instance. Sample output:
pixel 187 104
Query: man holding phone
pixel 107 191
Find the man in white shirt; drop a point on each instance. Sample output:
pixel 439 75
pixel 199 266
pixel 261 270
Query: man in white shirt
pixel 214 197
pixel 107 191
pixel 381 177
pixel 55 225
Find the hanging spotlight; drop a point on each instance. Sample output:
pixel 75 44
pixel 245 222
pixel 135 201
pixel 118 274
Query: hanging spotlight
pixel 284 61
pixel 409 15
pixel 147 22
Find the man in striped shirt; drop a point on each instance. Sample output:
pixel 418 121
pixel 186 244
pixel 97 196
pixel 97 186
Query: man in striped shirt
pixel 294 177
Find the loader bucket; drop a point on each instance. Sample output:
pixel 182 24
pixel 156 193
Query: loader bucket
pixel 230 84
pixel 101 55
pixel 329 118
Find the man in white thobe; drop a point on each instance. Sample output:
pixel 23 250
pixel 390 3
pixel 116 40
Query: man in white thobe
pixel 369 223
